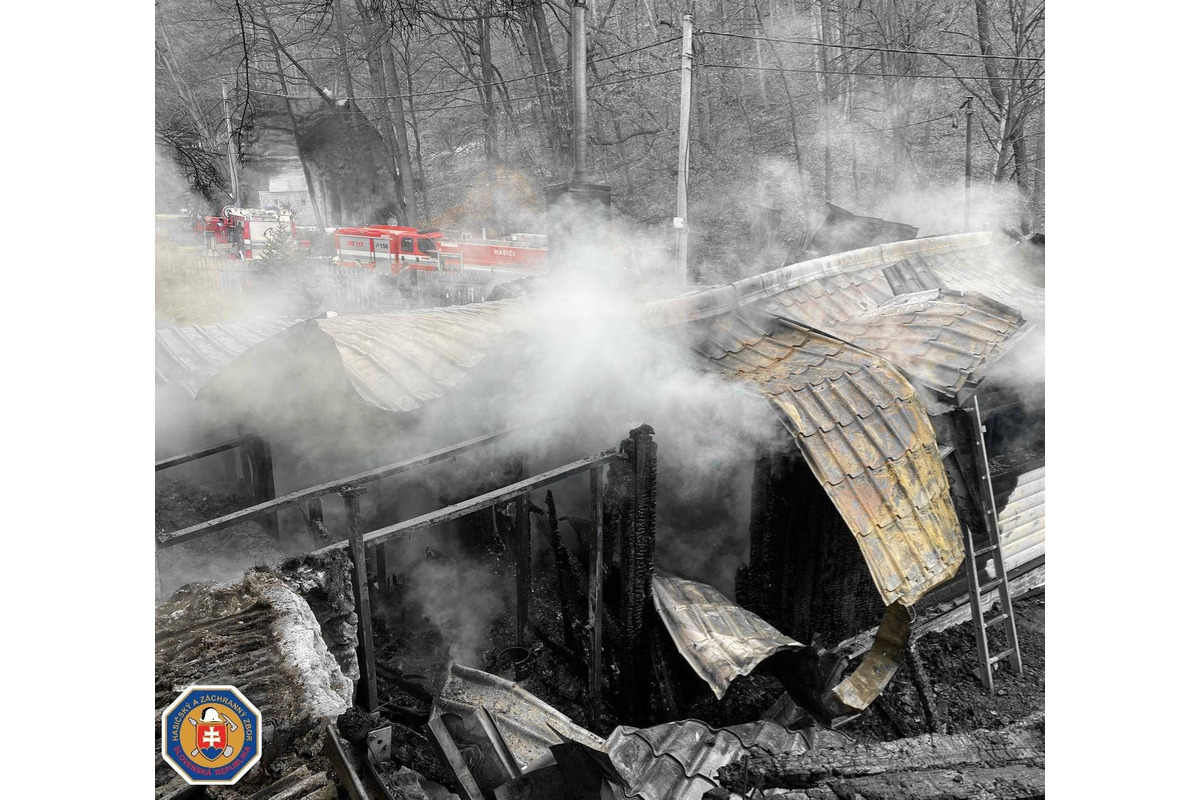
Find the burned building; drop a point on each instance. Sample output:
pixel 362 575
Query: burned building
pixel 883 372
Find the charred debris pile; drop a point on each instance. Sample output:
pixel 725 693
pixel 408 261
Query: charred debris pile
pixel 601 672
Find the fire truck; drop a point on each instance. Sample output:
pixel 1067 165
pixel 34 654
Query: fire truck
pixel 394 250
pixel 241 233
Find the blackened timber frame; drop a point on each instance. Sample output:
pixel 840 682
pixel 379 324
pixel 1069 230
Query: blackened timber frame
pixel 518 491
pixel 315 492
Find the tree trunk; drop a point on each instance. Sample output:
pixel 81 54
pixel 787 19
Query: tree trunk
pixel 406 174
pixel 424 208
pixel 557 90
pixel 287 101
pixel 379 88
pixel 489 117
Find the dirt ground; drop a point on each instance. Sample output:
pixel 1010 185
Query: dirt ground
pixel 961 702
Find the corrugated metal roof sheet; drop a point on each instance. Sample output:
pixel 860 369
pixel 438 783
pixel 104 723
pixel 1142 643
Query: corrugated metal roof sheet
pixel 943 339
pixel 402 360
pixel 718 638
pixel 919 253
pixel 865 435
pixel 528 724
pixel 985 272
pixel 679 760
pixel 187 356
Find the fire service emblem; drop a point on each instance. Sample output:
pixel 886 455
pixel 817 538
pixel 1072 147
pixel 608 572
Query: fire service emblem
pixel 210 735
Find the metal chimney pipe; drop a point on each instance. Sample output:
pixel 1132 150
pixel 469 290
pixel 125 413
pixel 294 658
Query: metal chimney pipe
pixel 579 89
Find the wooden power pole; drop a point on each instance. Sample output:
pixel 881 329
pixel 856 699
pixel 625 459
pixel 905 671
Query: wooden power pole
pixel 685 110
pixel 967 174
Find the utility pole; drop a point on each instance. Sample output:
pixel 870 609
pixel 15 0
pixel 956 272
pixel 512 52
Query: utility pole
pixel 233 174
pixel 967 175
pixel 685 109
pixel 579 89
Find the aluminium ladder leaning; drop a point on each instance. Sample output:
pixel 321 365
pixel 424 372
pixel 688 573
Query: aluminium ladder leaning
pixel 979 584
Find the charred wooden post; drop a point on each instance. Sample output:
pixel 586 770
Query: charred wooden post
pixel 262 479
pixel 523 566
pixel 923 684
pixel 314 520
pixel 595 596
pixel 567 591
pixel 368 694
pixel 757 585
pixel 637 569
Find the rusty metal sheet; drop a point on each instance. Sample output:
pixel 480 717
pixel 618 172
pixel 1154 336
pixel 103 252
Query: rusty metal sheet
pixel 718 638
pixel 402 360
pixel 187 356
pixel 529 725
pixel 867 438
pixel 679 760
pixel 943 339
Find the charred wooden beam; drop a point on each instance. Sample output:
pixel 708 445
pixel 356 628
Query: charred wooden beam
pixel 341 764
pixel 1008 763
pixel 596 598
pixel 523 566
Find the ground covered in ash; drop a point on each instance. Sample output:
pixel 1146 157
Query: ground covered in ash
pixel 960 700
pixel 223 556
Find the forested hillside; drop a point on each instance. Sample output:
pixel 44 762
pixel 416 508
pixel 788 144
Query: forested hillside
pixel 458 114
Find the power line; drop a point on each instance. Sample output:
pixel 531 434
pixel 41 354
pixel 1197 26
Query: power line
pixel 870 49
pixel 486 85
pixel 856 74
pixel 473 104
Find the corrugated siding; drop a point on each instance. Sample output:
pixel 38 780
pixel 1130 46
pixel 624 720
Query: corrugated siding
pixel 1022 521
pixel 865 435
pixel 402 360
pixel 679 760
pixel 187 356
pixel 718 638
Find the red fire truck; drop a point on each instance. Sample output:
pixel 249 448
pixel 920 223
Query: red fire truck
pixel 393 250
pixel 241 233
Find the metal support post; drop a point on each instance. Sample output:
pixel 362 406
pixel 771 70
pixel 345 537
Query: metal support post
pixel 579 90
pixel 368 694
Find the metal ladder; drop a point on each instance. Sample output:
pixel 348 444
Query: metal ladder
pixel 976 558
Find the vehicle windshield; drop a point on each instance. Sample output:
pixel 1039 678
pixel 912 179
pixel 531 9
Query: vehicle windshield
pixel 426 246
